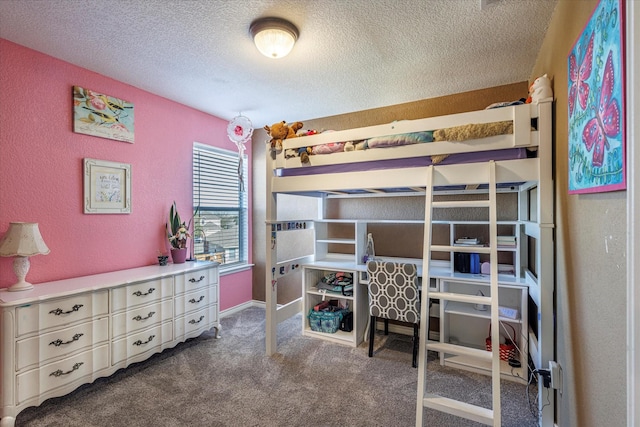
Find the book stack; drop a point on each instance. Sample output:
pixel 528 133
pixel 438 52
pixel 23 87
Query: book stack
pixel 506 241
pixel 467 241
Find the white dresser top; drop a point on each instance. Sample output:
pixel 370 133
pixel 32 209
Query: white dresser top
pixel 60 288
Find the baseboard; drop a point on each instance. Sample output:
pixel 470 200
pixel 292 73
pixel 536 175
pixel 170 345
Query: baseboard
pixel 240 307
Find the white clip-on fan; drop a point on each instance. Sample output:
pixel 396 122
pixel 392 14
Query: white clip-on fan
pixel 239 131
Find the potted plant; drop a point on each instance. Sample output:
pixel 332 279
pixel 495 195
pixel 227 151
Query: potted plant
pixel 178 234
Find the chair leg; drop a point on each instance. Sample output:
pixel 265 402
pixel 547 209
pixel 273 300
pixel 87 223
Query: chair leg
pixel 386 326
pixel 415 345
pixel 372 334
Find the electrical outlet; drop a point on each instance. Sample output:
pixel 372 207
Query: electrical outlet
pixel 556 375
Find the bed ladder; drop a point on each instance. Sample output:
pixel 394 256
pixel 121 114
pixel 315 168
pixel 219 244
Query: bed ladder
pixel 433 401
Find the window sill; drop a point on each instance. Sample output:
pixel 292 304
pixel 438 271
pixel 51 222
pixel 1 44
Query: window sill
pixel 235 269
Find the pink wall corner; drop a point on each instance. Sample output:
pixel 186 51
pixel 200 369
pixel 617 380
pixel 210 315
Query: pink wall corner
pixel 41 177
pixel 233 289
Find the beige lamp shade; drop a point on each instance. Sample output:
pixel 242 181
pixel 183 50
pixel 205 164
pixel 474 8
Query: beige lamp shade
pixel 22 240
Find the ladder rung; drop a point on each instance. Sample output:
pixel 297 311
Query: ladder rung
pixel 458 408
pixel 461 248
pixel 459 350
pixel 452 296
pixel 461 204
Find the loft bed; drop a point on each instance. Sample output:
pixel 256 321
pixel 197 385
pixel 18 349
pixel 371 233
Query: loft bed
pixel 512 134
pixel 523 164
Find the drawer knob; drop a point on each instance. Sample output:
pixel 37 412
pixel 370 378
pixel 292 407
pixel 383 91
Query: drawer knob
pixel 192 280
pixel 59 311
pixel 141 294
pixel 195 301
pixel 193 321
pixel 151 337
pixel 59 342
pixel 60 373
pixel 139 318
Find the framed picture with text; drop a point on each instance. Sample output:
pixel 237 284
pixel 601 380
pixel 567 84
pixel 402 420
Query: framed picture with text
pixel 102 115
pixel 107 187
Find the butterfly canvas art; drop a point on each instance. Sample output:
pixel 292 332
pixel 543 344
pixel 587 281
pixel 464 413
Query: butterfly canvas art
pixel 596 120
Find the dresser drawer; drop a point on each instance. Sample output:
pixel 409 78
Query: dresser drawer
pixel 61 373
pixel 141 293
pixel 60 312
pixel 143 341
pixel 194 323
pixel 195 280
pixel 195 300
pixel 60 343
pixel 142 317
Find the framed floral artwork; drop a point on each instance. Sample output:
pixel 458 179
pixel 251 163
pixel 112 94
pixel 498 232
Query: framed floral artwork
pixel 102 115
pixel 107 187
pixel 596 104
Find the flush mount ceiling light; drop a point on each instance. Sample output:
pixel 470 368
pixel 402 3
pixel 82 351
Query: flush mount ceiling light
pixel 274 37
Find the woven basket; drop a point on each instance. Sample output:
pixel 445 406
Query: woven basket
pixel 508 349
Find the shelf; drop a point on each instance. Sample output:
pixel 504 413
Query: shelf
pixel 357 303
pixel 333 295
pixel 475 365
pixel 337 240
pixel 463 309
pixel 479 279
pixel 339 336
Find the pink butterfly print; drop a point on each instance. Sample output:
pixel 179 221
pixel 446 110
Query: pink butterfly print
pixel 606 122
pixel 579 76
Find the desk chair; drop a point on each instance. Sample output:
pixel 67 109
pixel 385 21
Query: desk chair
pixel 393 295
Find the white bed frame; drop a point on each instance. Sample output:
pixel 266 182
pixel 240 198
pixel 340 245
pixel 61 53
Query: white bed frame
pixel 532 173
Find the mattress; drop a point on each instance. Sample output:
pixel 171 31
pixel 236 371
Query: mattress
pixel 460 158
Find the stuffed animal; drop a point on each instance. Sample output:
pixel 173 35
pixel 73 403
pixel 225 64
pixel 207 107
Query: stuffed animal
pixel 473 131
pixel 540 89
pixel 304 153
pixel 290 153
pixel 281 131
pixel 470 131
pixel 355 146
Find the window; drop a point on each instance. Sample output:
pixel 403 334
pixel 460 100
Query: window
pixel 220 206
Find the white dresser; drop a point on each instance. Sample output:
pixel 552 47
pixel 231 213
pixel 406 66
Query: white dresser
pixel 66 333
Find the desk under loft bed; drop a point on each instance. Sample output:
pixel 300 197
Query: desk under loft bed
pixel 415 157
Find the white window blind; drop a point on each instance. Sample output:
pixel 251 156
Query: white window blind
pixel 220 206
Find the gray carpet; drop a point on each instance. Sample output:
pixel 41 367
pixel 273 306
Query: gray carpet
pixel 231 382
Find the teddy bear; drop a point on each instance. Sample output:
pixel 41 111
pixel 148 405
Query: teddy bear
pixel 281 131
pixel 540 89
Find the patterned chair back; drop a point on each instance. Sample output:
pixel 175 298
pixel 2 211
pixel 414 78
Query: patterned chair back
pixel 393 291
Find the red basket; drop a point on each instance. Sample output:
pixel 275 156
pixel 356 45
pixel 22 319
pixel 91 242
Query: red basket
pixel 508 349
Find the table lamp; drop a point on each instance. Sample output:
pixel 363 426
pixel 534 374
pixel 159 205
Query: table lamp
pixel 22 240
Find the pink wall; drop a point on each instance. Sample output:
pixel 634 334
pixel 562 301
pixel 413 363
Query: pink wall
pixel 41 170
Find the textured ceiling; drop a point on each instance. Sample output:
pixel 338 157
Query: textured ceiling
pixel 351 55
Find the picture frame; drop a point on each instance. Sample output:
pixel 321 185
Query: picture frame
pixel 101 115
pixel 596 103
pixel 107 187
